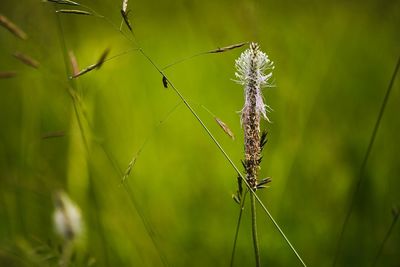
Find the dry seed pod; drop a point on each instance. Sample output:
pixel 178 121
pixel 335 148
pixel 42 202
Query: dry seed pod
pixel 11 27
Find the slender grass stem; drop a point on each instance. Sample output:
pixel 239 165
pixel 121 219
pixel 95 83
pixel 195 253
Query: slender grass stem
pixel 254 230
pixel 237 228
pixel 356 189
pixel 386 238
pixel 84 139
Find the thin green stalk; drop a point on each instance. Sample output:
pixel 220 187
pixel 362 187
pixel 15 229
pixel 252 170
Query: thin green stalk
pixel 388 234
pixel 364 163
pixel 254 230
pixel 242 201
pixel 131 196
pixel 81 130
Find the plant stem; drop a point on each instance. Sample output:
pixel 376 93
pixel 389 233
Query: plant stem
pixel 254 230
pixel 357 186
pixel 237 227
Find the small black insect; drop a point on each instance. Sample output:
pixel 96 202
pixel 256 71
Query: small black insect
pixel 165 82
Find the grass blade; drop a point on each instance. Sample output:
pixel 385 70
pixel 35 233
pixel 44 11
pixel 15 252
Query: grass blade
pixel 396 214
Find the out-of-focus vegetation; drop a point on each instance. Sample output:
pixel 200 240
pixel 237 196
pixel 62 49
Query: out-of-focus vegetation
pixel 334 61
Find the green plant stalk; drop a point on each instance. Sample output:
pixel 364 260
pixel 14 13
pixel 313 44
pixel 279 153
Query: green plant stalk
pixel 254 230
pixel 242 201
pixel 84 139
pixel 388 234
pixel 356 187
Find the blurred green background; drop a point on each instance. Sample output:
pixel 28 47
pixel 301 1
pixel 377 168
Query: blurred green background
pixel 334 61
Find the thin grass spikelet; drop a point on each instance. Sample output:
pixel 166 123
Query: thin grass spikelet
pixel 74 63
pixel 63 2
pixel 7 74
pixel 13 28
pixel 27 60
pixel 74 11
pixel 125 13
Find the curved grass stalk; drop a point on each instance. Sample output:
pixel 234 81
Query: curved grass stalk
pixel 396 214
pixel 84 139
pixel 237 228
pixel 364 163
pixel 214 51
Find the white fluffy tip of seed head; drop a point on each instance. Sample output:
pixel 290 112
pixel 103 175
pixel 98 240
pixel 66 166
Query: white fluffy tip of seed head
pixel 67 217
pixel 254 69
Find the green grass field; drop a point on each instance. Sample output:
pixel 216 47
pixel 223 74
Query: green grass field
pixel 334 61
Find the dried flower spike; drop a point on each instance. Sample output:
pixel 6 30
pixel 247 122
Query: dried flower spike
pixel 251 67
pixel 67 217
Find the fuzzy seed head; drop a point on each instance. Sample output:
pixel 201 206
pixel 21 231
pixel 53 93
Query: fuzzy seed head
pixel 254 71
pixel 252 67
pixel 67 217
